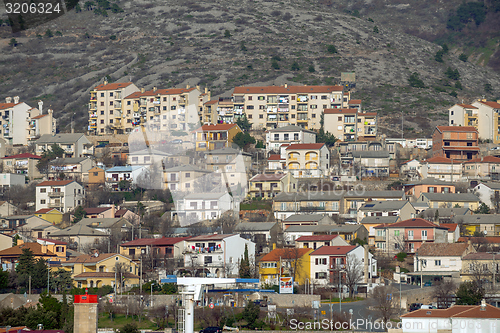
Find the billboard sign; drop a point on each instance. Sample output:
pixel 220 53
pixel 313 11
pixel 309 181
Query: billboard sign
pixel 286 285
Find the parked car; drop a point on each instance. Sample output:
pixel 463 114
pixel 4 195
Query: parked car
pixel 176 141
pixel 495 148
pixel 427 307
pixel 415 306
pixel 260 302
pixel 211 329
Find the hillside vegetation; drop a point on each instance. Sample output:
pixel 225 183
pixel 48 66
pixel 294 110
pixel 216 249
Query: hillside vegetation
pixel 222 44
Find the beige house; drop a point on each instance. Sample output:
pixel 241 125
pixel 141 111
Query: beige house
pixel 24 164
pixel 276 106
pixel 402 208
pixel 450 200
pixel 442 168
pixel 73 144
pixel 268 185
pixel 308 160
pixel 213 137
pixel 481 114
pixel 487 167
pixel 42 124
pixel 480 263
pixel 73 168
pixel 290 134
pixel 183 177
pixel 287 204
pixel 351 124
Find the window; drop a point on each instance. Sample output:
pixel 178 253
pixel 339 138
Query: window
pixel 437 262
pixel 43 190
pixel 128 102
pixel 250 98
pixel 296 136
pixel 261 116
pixel 42 202
pixel 111 103
pixel 286 137
pixel 173 107
pixel 424 234
pixel 396 233
pixel 249 116
pixel 320 275
pixel 250 107
pixel 452 112
pixel 283 206
pixel 188 185
pixel 208 259
pixel 102 113
pixel 102 94
pixel 314 106
pixel 314 115
pixel 261 98
pixel 102 104
pixel 188 174
pixel 110 94
pixel 335 205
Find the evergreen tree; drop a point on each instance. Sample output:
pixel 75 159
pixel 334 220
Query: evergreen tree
pixel 52 153
pixel 4 279
pixel 243 123
pixel 25 267
pixel 325 137
pixel 39 276
pixel 79 214
pixel 469 293
pixel 245 264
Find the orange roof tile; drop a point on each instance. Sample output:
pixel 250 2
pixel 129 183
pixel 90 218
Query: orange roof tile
pixel 333 250
pixel 90 258
pixel 340 111
pixel 287 253
pixel 368 114
pixel 214 101
pixel 275 157
pixel 216 127
pixel 438 313
pixel 40 116
pixel 485 159
pixel 18 250
pixel 438 159
pixel 493 105
pixel 287 90
pixel 354 101
pixel 300 146
pixel 456 129
pixel 23 155
pixel 7 105
pixel 489 311
pixel 160 92
pixel 113 86
pixel 55 183
pixel 450 226
pixel 467 106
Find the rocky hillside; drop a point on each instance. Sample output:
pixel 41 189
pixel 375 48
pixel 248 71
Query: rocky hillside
pixel 222 44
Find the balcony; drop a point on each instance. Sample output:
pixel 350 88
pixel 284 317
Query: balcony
pixel 302 99
pixel 93 116
pixel 55 205
pixel 311 209
pixel 182 100
pixel 54 194
pixel 380 238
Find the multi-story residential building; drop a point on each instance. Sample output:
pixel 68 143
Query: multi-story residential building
pixel 347 149
pixel 276 162
pixel 73 144
pixel 75 168
pixel 8 180
pixel 316 241
pixel 408 235
pixel 167 110
pixel 183 178
pixel 232 164
pixel 306 219
pixel 459 143
pixel 9 258
pixel 330 262
pixel 489 193
pixel 212 137
pixel 106 107
pixel 99 269
pixel 216 255
pixel 158 248
pixel 308 160
pixel 370 222
pixel 128 175
pixel 263 234
pixel 438 260
pixel 351 124
pixel 372 163
pixel 220 111
pixel 287 204
pixel 96 178
pixel 442 168
pixel 148 156
pixel 428 185
pixel 486 224
pixel 483 263
pixel 449 200
pixel 353 200
pixel 482 114
pixel 196 207
pixel 290 134
pixel 65 195
pixel 277 106
pixel 292 262
pixel 24 164
pixel 487 168
pixel 404 209
pixel 269 185
pixel 21 123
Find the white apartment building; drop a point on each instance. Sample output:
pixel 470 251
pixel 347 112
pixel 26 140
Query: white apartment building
pixel 351 124
pixel 64 195
pixel 290 134
pixel 196 207
pixel 308 160
pixel 482 114
pixel 216 255
pixel 277 106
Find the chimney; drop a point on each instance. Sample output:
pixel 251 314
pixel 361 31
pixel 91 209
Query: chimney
pixel 483 305
pixel 206 90
pixel 198 87
pixel 44 248
pixel 286 85
pixel 154 89
pixel 142 90
pixel 187 86
pixel 105 82
pixel 8 99
pixel 40 104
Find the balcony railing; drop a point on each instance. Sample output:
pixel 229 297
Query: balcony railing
pixel 56 194
pixel 55 204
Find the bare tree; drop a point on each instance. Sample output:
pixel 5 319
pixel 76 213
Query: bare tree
pixel 495 200
pixel 443 290
pixel 291 259
pixel 160 316
pixel 382 299
pixel 122 270
pixel 353 273
pixel 479 273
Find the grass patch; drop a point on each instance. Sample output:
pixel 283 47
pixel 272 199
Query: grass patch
pixel 346 300
pixel 256 205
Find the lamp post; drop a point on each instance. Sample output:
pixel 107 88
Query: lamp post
pixel 152 284
pixel 400 300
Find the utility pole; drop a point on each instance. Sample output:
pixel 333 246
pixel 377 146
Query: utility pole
pixel 48 277
pixel 402 122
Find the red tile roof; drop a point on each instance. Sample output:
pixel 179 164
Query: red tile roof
pixel 210 237
pixel 443 249
pixel 485 159
pixel 96 210
pixel 368 114
pixel 438 160
pixel 316 238
pixel 139 242
pixel 169 240
pixel 18 250
pixel 287 253
pixel 121 212
pixel 450 226
pixel 216 127
pixel 340 111
pixel 493 105
pixel 460 148
pixel 267 177
pixel 413 223
pixel 355 101
pixel 489 311
pixel 172 91
pixel 44 210
pixel 438 313
pixel 7 105
pixel 40 116
pixel 103 275
pixel 333 250
pixel 300 146
pixel 456 129
pixel 214 101
pixel 113 86
pixel 55 183
pixel 275 157
pixel 23 155
pixel 487 239
pixel 287 90
pixel 91 258
pixel 467 106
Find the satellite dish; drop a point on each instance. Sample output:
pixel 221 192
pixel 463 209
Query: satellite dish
pixel 485 232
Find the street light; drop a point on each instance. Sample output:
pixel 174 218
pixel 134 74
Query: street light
pixel 152 284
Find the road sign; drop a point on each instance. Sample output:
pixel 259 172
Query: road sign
pixel 211 305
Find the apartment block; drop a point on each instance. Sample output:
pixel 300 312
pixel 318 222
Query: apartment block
pixel 482 114
pixel 308 160
pixel 455 142
pixel 277 106
pixel 65 195
pixel 288 135
pixel 351 124
pixel 73 144
pixel 220 111
pixel 211 137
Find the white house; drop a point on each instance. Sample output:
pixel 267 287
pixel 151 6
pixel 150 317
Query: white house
pixel 216 255
pixel 117 174
pixel 487 191
pixel 411 169
pixel 196 207
pixel 325 259
pixel 65 195
pixel 482 318
pixel 402 208
pixel 11 179
pixel 288 134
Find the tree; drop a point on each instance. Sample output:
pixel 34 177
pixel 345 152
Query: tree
pixel 375 29
pixel 129 328
pixel 227 34
pixel 482 209
pixel 463 57
pixel 311 69
pixel 415 81
pixel 295 66
pixel 353 273
pixel 61 280
pixel 452 74
pixel 53 152
pixel 443 290
pixel 245 265
pixel 243 139
pixel 488 88
pixel 79 214
pixel 325 137
pixel 331 49
pixel 4 279
pixel 13 42
pixel 48 33
pixel 382 299
pixel 243 123
pixel 24 267
pixel 439 56
pixel 469 293
pixel 250 314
